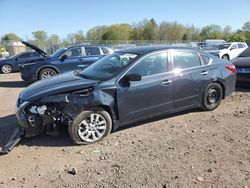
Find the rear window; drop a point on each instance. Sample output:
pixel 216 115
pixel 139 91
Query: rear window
pixel 184 60
pixel 92 51
pixel 240 45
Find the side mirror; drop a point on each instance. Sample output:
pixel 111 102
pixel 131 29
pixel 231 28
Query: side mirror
pixel 132 77
pixel 63 57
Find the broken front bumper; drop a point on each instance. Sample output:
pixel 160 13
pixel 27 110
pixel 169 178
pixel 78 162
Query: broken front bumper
pixel 11 141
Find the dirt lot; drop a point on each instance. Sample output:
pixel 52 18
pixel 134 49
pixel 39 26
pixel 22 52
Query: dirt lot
pixel 190 149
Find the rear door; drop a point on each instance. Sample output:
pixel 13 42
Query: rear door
pixel 234 51
pixel 150 96
pixel 91 54
pixel 191 76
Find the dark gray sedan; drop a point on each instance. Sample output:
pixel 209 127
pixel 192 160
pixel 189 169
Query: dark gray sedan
pixel 128 86
pixel 242 63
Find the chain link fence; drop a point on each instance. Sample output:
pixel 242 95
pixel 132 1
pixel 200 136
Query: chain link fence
pixel 9 47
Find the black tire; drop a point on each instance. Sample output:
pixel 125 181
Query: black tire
pixel 226 57
pixel 6 69
pixel 75 126
pixel 46 73
pixel 212 97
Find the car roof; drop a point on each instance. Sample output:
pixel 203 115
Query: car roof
pixel 85 45
pixel 141 50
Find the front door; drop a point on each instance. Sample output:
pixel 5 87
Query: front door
pixel 150 96
pixel 74 58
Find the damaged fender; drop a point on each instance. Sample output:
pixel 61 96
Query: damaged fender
pixel 48 113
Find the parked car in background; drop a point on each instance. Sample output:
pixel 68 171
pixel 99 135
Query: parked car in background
pixel 208 44
pixel 242 64
pixel 127 86
pixel 228 51
pixel 11 64
pixel 63 60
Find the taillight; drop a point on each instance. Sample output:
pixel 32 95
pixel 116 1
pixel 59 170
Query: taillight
pixel 232 68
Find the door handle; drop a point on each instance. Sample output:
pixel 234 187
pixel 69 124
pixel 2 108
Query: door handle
pixel 204 72
pixel 166 82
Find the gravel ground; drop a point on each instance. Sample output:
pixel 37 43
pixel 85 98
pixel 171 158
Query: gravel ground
pixel 189 149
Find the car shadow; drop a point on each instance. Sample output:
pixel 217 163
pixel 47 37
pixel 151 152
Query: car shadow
pixel 14 84
pixel 9 123
pixel 158 118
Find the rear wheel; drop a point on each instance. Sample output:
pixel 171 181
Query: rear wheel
pixel 226 57
pixel 90 126
pixel 46 73
pixel 212 97
pixel 6 69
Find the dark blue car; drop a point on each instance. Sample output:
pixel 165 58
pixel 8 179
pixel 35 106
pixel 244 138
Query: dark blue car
pixel 127 86
pixel 65 59
pixel 11 64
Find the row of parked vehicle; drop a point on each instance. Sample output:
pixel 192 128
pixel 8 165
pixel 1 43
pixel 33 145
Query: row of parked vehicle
pixel 36 65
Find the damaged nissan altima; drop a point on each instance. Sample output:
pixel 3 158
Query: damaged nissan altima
pixel 128 86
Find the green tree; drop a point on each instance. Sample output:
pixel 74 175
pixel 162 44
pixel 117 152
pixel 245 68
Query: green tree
pixel 150 29
pixel 227 32
pixel 79 37
pixel 211 32
pixel 117 32
pixel 40 35
pixel 246 29
pixel 11 37
pixel 54 39
pixel 237 37
pixel 96 33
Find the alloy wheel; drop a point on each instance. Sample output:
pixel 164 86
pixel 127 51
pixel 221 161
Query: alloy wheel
pixel 6 69
pixel 47 74
pixel 92 128
pixel 213 96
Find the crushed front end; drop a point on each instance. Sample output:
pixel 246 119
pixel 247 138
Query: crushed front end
pixel 47 114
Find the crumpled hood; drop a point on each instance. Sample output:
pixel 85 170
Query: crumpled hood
pixel 61 83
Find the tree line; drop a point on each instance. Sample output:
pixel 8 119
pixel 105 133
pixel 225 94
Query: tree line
pixel 145 30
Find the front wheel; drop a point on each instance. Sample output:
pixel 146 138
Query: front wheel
pixel 212 97
pixel 90 126
pixel 6 69
pixel 46 73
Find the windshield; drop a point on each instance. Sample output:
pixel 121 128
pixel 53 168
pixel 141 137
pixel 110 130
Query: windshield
pixel 108 67
pixel 59 52
pixel 221 47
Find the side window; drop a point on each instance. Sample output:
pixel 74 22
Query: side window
pixel 205 59
pixel 74 52
pixel 233 47
pixel 240 45
pixel 184 60
pixel 92 51
pixel 152 64
pixel 27 55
